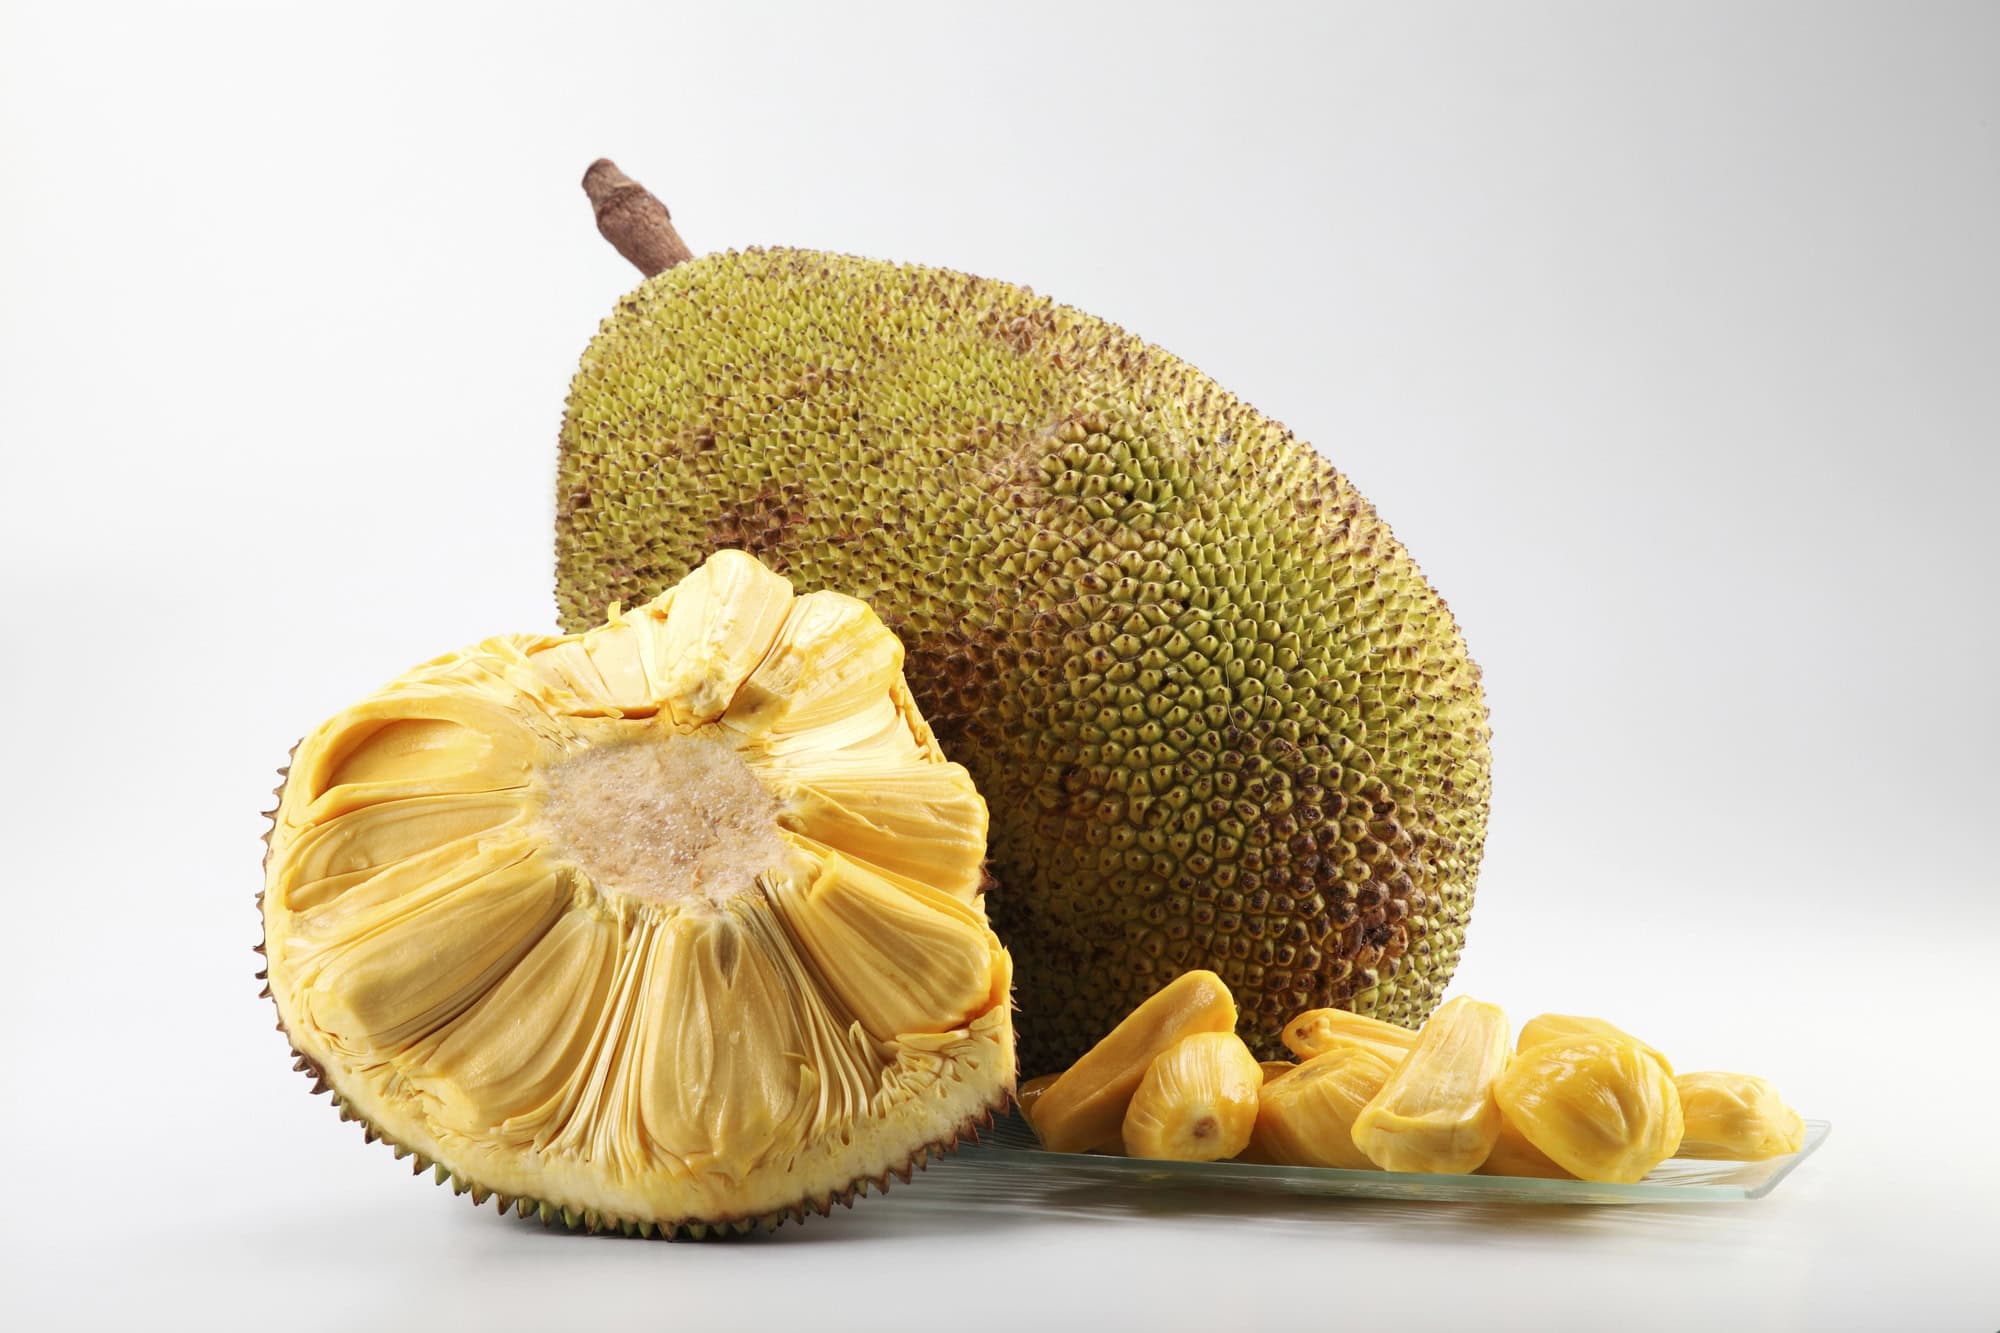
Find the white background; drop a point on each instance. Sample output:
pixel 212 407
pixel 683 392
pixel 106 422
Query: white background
pixel 1668 338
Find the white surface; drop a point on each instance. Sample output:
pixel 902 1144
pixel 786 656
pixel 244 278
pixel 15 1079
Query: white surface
pixel 1667 339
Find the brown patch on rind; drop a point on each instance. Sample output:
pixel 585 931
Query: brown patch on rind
pixel 761 525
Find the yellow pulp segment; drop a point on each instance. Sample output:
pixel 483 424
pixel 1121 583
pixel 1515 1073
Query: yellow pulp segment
pixel 1306 1117
pixel 1739 1117
pixel 1085 1108
pixel 1554 1027
pixel 1600 1107
pixel 1197 1102
pixel 1317 1031
pixel 1436 1112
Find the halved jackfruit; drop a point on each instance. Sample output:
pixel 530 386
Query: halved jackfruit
pixel 1600 1107
pixel 1436 1113
pixel 1737 1117
pixel 1197 1102
pixel 672 925
pixel 1306 1117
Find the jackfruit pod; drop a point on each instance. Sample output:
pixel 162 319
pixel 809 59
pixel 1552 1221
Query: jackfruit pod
pixel 1197 1102
pixel 1031 1092
pixel 1317 1031
pixel 1555 1027
pixel 1513 1155
pixel 1736 1117
pixel 1085 1108
pixel 1275 1068
pixel 1599 1107
pixel 1436 1112
pixel 1306 1117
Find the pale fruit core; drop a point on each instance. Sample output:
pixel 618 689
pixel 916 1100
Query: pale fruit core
pixel 674 818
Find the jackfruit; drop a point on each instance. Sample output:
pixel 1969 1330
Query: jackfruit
pixel 1220 717
pixel 1306 1117
pixel 1600 1107
pixel 1436 1113
pixel 1513 1155
pixel 1318 1031
pixel 1554 1027
pixel 674 925
pixel 1275 1068
pixel 1737 1117
pixel 1085 1108
pixel 1031 1092
pixel 1197 1102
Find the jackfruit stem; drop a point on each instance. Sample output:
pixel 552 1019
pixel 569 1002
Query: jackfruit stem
pixel 637 224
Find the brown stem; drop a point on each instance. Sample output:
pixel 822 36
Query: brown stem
pixel 637 225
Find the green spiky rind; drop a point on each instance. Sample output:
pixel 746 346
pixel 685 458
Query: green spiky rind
pixel 593 1221
pixel 1218 716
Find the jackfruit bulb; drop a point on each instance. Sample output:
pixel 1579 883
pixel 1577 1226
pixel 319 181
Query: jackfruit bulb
pixel 1600 1107
pixel 1306 1117
pixel 1084 1109
pixel 1436 1112
pixel 1221 719
pixel 1739 1117
pixel 1513 1155
pixel 674 924
pixel 1318 1031
pixel 1197 1102
pixel 1553 1027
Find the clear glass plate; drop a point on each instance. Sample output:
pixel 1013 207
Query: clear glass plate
pixel 1011 1146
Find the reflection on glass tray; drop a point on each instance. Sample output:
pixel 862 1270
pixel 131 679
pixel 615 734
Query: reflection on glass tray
pixel 1011 1146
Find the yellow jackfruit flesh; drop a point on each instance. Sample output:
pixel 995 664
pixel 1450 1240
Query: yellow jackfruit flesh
pixel 1031 1092
pixel 1318 1031
pixel 1436 1113
pixel 1306 1117
pixel 1220 716
pixel 1513 1155
pixel 1085 1108
pixel 675 924
pixel 1551 1027
pixel 1736 1117
pixel 1197 1102
pixel 1600 1107
pixel 1275 1068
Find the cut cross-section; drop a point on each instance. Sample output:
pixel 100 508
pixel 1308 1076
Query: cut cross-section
pixel 675 924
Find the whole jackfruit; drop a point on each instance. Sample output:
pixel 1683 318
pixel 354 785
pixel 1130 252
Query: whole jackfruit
pixel 1739 1117
pixel 674 925
pixel 1306 1117
pixel 1198 1101
pixel 1221 719
pixel 1436 1113
pixel 1600 1107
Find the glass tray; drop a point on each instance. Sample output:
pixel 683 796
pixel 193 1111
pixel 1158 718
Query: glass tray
pixel 1011 1146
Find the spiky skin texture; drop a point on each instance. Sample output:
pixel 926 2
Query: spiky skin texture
pixel 1220 718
